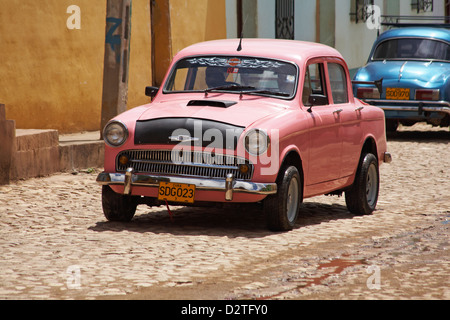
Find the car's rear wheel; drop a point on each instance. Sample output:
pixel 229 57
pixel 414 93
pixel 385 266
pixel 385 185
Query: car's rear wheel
pixel 362 197
pixel 118 207
pixel 282 209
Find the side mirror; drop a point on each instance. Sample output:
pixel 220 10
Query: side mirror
pixel 317 100
pixel 151 91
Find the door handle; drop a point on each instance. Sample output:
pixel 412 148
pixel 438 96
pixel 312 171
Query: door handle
pixel 338 111
pixel 359 108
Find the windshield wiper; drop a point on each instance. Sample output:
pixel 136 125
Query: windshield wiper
pixel 265 91
pixel 246 90
pixel 231 87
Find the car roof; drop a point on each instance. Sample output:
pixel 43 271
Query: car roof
pixel 421 32
pixel 288 50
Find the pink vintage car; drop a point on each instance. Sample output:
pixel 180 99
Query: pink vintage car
pixel 260 121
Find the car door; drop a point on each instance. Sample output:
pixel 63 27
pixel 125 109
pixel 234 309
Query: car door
pixel 347 114
pixel 325 140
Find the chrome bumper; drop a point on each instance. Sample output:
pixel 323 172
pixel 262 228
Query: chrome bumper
pixel 229 185
pixel 387 157
pixel 411 105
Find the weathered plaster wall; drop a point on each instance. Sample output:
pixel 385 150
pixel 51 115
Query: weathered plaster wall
pixel 196 21
pixel 51 76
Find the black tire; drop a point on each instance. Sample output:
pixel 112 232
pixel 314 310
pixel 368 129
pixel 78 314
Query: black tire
pixel 282 208
pixel 118 207
pixel 362 197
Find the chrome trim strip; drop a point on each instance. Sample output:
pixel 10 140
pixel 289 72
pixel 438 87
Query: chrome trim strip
pixel 229 186
pixel 400 73
pixel 187 164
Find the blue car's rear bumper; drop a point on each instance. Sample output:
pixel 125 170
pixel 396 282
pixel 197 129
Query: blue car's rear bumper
pixel 412 109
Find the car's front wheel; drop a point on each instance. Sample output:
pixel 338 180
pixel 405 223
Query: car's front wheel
pixel 282 209
pixel 118 207
pixel 362 197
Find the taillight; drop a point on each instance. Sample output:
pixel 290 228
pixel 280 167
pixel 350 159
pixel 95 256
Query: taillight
pixel 427 94
pixel 368 93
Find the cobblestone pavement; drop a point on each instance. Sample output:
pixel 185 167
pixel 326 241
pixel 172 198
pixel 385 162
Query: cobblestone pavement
pixel 56 244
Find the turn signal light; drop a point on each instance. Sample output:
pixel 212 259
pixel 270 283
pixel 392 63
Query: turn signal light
pixel 123 159
pixel 427 94
pixel 368 93
pixel 244 168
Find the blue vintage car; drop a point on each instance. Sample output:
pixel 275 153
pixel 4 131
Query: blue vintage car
pixel 414 65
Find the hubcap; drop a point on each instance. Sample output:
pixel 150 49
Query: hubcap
pixel 292 199
pixel 372 186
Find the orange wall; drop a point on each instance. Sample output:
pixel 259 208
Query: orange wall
pixel 51 76
pixel 196 21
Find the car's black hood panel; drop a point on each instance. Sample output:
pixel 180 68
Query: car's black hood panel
pixel 191 131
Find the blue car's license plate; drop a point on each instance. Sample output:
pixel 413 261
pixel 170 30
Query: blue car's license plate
pixel 397 93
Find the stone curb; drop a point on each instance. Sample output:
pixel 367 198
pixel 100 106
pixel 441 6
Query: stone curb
pixel 38 153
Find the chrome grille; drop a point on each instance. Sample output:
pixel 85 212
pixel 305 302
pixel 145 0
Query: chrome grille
pixel 184 163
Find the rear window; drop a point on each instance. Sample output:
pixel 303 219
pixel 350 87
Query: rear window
pixel 412 49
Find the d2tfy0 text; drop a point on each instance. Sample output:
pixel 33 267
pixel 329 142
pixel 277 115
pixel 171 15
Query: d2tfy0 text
pixel 236 309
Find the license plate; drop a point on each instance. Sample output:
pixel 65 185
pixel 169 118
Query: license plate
pixel 177 192
pixel 397 93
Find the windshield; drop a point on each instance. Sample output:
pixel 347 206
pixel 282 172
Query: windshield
pixel 412 49
pixel 247 75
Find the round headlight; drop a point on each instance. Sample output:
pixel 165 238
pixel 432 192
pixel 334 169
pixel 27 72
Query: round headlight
pixel 256 142
pixel 115 134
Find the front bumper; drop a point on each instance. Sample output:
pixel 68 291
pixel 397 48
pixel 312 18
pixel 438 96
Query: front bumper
pixel 387 157
pixel 229 185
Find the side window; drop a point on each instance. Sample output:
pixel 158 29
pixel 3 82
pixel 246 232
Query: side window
pixel 314 82
pixel 338 82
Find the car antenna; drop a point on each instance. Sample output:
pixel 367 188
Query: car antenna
pixel 239 48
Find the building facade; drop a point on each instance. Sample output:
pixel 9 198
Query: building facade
pixel 348 25
pixel 52 52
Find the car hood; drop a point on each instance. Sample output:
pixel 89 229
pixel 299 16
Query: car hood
pixel 421 71
pixel 232 111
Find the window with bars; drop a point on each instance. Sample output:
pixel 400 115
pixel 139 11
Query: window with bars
pixel 359 11
pixel 284 19
pixel 422 5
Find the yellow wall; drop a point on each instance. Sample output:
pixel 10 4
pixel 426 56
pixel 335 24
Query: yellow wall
pixel 187 22
pixel 196 21
pixel 51 77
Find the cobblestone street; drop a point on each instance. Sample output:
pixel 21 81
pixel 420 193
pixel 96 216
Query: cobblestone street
pixel 56 244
